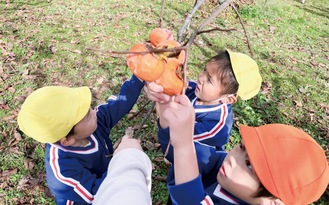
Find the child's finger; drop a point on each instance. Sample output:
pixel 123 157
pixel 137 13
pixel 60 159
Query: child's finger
pixel 154 87
pixel 169 115
pixel 182 99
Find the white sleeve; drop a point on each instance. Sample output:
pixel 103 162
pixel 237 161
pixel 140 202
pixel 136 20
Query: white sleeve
pixel 128 180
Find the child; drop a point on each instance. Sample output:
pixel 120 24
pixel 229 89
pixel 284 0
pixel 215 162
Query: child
pixel 78 147
pixel 128 179
pixel 226 76
pixel 274 164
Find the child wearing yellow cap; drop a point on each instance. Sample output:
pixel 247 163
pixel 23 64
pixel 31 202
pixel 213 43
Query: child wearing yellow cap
pixel 78 147
pixel 227 77
pixel 274 164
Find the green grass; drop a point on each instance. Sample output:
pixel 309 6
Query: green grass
pixel 47 43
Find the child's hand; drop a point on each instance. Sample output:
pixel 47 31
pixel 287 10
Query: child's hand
pixel 127 142
pixel 155 92
pixel 180 116
pixel 160 107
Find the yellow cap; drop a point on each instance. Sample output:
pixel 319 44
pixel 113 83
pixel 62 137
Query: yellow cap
pixel 49 113
pixel 247 74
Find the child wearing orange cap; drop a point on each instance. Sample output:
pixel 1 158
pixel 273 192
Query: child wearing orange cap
pixel 78 147
pixel 226 77
pixel 274 164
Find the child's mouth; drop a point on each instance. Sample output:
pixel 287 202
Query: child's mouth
pixel 222 171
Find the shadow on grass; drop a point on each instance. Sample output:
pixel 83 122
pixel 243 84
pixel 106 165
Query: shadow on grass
pixel 18 5
pixel 323 12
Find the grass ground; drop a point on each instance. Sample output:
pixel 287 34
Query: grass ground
pixel 46 43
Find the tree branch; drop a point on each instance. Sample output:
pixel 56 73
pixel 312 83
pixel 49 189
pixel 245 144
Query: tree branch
pixel 183 31
pixel 161 14
pixel 216 29
pixel 244 29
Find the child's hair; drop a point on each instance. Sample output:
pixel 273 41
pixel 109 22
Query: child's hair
pixel 71 132
pixel 225 73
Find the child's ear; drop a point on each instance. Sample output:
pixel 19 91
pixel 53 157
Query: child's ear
pixel 67 141
pixel 230 99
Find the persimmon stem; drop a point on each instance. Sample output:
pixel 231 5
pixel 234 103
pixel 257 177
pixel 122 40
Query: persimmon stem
pixel 138 136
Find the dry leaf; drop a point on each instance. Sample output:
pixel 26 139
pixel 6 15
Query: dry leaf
pixel 18 136
pixel 298 104
pixel 11 89
pixel 77 51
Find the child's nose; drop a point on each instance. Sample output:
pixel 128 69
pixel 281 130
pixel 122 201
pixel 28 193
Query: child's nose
pixel 200 77
pixel 233 162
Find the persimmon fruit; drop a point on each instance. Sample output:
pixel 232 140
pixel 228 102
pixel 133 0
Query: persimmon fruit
pixel 163 67
pixel 147 67
pixel 167 44
pixel 158 35
pixel 170 80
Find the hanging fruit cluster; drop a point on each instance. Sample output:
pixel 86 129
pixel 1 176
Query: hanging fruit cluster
pixel 163 68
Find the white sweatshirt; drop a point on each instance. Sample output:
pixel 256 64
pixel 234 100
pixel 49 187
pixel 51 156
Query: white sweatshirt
pixel 128 180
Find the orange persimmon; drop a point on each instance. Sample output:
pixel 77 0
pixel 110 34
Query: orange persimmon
pixel 158 35
pixel 172 44
pixel 170 79
pixel 148 67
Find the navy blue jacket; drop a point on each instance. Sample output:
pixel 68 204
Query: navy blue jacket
pixel 74 174
pixel 203 190
pixel 213 124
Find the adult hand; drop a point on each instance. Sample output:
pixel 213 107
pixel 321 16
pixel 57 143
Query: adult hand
pixel 128 142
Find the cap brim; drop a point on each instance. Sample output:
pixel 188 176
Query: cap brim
pixel 84 97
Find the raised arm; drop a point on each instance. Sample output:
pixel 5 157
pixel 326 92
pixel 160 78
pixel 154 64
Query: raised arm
pixel 179 114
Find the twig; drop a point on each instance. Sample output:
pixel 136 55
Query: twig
pixel 161 14
pixel 244 29
pixel 141 109
pixel 216 29
pixel 184 29
pixel 188 44
pixel 150 50
pixel 185 80
pixel 144 120
pixel 213 15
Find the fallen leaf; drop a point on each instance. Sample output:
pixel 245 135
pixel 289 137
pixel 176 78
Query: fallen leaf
pixel 301 90
pixel 4 107
pixel 11 89
pixel 28 164
pixel 149 145
pixel 298 104
pixel 77 51
pixel 18 136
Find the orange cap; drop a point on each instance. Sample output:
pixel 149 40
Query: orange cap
pixel 289 163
